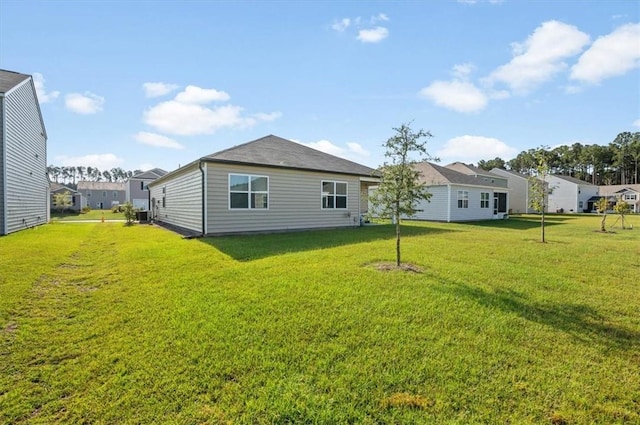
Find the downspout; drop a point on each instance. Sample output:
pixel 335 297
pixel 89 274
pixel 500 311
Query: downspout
pixel 204 209
pixel 3 227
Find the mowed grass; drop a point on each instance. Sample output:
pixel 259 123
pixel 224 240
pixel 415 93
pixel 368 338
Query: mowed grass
pixel 103 323
pixel 90 215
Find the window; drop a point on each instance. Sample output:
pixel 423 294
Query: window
pixel 463 199
pixel 581 204
pixel 141 185
pixel 88 193
pixel 104 193
pixel 484 199
pixel 115 194
pixel 248 192
pixel 334 195
pixel 630 197
pixel 164 202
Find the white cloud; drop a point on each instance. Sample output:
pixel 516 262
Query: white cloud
pixel 145 166
pixel 381 17
pixel 470 149
pixel 611 55
pixel 156 140
pixel 353 151
pixel 636 123
pixel 43 96
pixel 193 94
pixel 103 161
pixel 87 103
pixel 460 96
pixel 341 25
pixel 463 71
pixel 540 57
pixel 158 89
pixel 374 35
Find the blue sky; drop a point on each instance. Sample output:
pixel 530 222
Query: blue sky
pixel 158 84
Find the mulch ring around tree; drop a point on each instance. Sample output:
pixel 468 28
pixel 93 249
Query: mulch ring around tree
pixel 388 266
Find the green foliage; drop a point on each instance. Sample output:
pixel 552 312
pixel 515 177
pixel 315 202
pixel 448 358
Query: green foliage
pixel 86 209
pixel 539 189
pixel 101 323
pixel 129 213
pixel 400 189
pixel 622 208
pixel 602 206
pixel 62 201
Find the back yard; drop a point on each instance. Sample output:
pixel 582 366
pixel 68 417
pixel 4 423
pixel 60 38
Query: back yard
pixel 111 324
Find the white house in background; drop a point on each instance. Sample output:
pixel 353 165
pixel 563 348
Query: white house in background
pixel 24 186
pixel 630 193
pixel 137 191
pixel 267 185
pixel 569 195
pixel 457 196
pixel 520 191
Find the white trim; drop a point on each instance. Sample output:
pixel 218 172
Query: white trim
pixel 249 191
pixel 335 195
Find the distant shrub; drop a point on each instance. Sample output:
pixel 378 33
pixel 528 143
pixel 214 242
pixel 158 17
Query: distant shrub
pixel 85 209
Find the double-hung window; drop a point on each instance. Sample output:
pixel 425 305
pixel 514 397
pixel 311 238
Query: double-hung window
pixel 334 195
pixel 484 199
pixel 463 199
pixel 248 192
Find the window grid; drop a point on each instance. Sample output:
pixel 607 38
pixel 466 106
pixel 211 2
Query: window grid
pixel 463 199
pixel 247 191
pixel 334 195
pixel 484 199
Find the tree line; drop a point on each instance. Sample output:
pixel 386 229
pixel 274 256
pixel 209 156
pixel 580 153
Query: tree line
pixel 616 163
pixel 70 175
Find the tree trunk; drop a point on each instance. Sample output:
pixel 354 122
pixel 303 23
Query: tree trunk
pixel 398 240
pixel 602 223
pixel 542 226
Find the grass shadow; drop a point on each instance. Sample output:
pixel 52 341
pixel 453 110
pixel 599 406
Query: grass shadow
pixel 519 222
pixel 254 247
pixel 579 320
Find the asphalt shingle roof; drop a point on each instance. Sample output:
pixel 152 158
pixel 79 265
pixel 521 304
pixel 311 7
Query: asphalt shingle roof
pixel 10 79
pixel 435 175
pixel 274 151
pixel 85 185
pixel 573 180
pixel 150 174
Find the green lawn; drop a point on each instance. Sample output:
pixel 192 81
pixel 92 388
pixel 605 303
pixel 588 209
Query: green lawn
pixel 103 323
pixel 91 215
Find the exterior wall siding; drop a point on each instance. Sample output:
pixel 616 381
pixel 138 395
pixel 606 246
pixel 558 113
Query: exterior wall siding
pixel 567 196
pixel 26 184
pixel 182 199
pixel 436 208
pixel 295 201
pixel 138 197
pixel 2 168
pixel 102 199
pixel 474 212
pixel 519 194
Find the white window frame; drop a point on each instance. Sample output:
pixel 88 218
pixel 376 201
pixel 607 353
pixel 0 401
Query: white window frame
pixel 463 199
pixel 249 192
pixel 484 203
pixel 630 197
pixel 334 195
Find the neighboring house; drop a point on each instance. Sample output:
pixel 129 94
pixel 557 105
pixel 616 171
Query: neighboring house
pixel 457 196
pixel 269 184
pixel 569 195
pixel 24 186
pixel 137 190
pixel 74 196
pixel 630 193
pixel 520 191
pixel 102 195
pixel 479 173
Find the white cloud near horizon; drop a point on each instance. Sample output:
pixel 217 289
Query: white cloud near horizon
pixel 636 123
pixel 540 57
pixel 187 114
pixel 86 104
pixel 374 35
pixel 609 56
pixel 353 151
pixel 158 89
pixel 194 94
pixel 471 149
pixel 156 140
pixel 41 92
pixel 103 161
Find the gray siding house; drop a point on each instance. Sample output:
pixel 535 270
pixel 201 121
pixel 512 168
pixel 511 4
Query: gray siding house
pixel 457 196
pixel 24 186
pixel 137 187
pixel 102 195
pixel 629 193
pixel 269 184
pixel 75 197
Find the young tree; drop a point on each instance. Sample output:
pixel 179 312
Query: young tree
pixel 62 201
pixel 601 206
pixel 129 213
pixel 539 187
pixel 400 189
pixel 622 208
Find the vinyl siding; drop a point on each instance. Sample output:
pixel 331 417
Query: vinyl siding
pixel 2 176
pixel 27 186
pixel 138 197
pixel 295 201
pixel 519 193
pixel 474 212
pixel 567 195
pixel 436 208
pixel 183 199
